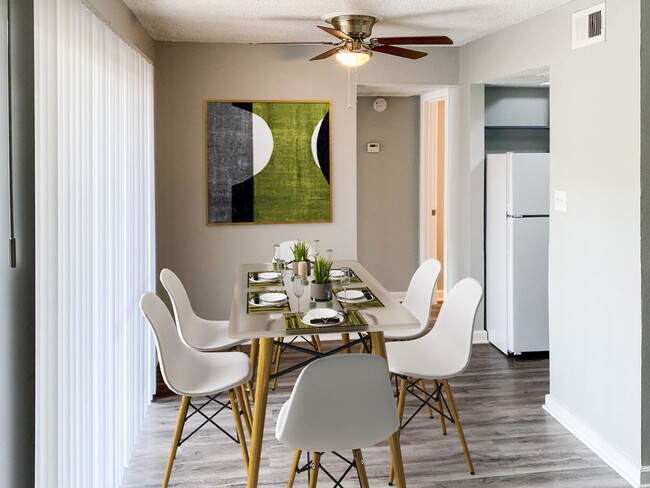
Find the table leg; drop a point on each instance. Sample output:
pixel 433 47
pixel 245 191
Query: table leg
pixel 379 348
pixel 259 410
pixel 345 339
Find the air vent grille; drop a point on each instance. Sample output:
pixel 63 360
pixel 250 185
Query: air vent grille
pixel 589 26
pixel 595 24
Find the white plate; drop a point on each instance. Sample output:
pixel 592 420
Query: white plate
pixel 320 313
pixel 268 304
pixel 267 276
pixel 337 274
pixel 350 295
pixel 273 297
pixel 306 319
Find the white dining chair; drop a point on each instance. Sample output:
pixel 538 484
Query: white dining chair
pixel 196 332
pixel 339 403
pixel 441 354
pixel 419 298
pixel 191 373
pixel 199 333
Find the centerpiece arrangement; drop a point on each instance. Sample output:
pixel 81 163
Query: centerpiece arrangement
pixel 321 287
pixel 301 264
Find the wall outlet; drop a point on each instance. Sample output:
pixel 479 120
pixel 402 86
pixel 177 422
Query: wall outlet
pixel 560 201
pixel 373 147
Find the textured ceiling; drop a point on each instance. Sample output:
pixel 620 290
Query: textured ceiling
pixel 295 20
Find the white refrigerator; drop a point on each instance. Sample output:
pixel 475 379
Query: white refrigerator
pixel 516 251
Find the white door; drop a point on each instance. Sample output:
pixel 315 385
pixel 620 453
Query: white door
pixel 527 284
pixel 528 184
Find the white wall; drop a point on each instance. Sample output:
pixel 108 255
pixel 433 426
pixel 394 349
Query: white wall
pixel 594 277
pixel 204 257
pixel 388 186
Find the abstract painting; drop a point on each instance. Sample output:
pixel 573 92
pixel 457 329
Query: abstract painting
pixel 268 162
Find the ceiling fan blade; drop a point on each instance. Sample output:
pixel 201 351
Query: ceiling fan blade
pixel 335 33
pixel 415 40
pixel 398 51
pixel 306 43
pixel 324 55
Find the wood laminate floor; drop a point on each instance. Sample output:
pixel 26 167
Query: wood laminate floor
pixel 513 442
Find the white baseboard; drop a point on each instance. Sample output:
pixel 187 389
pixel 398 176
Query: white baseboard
pixel 638 476
pixel 480 337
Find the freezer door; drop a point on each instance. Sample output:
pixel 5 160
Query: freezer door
pixel 496 243
pixel 527 284
pixel 528 184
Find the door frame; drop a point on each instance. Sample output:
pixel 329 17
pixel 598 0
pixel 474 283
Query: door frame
pixel 425 139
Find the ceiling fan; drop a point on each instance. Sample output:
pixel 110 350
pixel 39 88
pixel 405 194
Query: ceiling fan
pixel 355 46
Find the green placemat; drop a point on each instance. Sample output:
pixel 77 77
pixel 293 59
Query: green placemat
pixel 292 322
pixel 375 302
pixel 264 309
pixel 353 276
pixel 252 284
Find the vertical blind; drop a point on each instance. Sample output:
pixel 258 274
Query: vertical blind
pixel 95 246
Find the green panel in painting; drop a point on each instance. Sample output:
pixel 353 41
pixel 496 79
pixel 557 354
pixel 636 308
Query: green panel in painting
pixel 291 187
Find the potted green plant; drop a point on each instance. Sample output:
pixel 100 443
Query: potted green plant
pixel 301 264
pixel 321 287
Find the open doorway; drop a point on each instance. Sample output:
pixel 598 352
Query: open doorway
pixel 434 112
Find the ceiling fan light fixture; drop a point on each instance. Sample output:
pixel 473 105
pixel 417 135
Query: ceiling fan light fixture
pixel 353 59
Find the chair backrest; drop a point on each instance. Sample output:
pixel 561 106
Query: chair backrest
pixel 173 355
pixel 421 290
pixel 183 312
pixel 454 329
pixel 340 402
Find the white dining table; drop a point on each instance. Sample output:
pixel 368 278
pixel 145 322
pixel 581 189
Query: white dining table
pixel 263 328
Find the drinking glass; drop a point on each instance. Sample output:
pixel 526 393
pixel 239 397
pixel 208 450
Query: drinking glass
pixel 314 247
pixel 280 266
pixel 329 254
pixel 298 288
pixel 276 253
pixel 345 281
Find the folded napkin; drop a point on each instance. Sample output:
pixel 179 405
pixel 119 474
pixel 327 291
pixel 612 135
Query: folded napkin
pixel 325 320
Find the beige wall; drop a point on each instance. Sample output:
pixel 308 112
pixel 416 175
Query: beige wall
pixel 387 185
pixel 594 255
pixel 125 24
pixel 205 257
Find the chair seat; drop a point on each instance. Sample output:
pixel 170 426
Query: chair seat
pixel 208 373
pixel 209 335
pixel 421 359
pixel 397 335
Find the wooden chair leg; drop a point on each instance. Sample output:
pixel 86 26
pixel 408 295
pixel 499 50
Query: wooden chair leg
pixel 425 394
pixel 255 347
pixel 234 399
pixel 247 405
pixel 361 468
pixel 454 412
pixel 294 468
pixel 345 340
pixel 242 408
pixel 180 422
pixel 277 363
pixel 315 466
pixel 440 407
pixel 400 412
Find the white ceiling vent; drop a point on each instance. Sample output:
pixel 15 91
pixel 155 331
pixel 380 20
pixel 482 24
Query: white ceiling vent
pixel 589 26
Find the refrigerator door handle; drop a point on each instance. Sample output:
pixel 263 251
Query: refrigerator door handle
pixel 509 216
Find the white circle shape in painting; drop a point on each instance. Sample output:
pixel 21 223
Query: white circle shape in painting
pixel 380 104
pixel 262 144
pixel 314 142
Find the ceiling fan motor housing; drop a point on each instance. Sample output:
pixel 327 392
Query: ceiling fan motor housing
pixel 355 26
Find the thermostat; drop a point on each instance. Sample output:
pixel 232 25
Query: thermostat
pixel 373 147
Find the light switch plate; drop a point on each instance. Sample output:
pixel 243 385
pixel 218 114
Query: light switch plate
pixel 560 201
